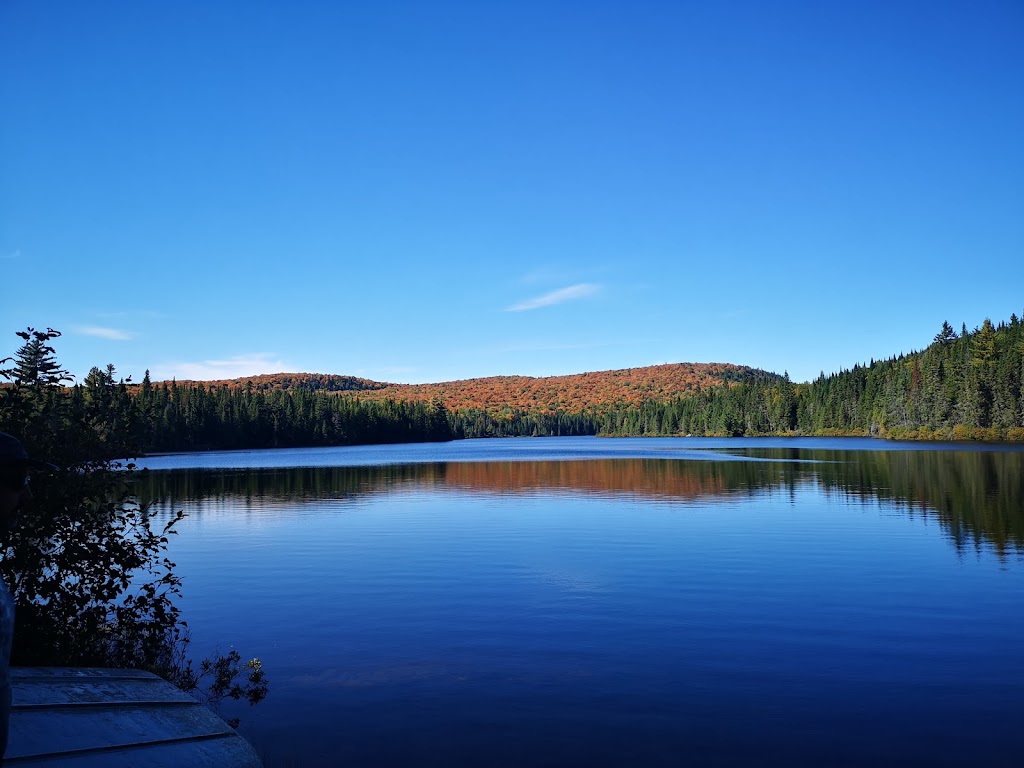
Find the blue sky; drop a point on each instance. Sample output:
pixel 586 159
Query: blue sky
pixel 424 191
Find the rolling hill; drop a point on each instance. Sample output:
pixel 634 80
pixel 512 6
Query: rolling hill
pixel 571 394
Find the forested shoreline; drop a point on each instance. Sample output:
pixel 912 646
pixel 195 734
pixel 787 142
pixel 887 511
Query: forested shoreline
pixel 963 386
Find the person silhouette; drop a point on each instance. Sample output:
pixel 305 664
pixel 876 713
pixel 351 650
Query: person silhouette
pixel 15 493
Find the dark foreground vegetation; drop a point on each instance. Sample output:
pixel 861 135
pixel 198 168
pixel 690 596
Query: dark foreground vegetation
pixel 87 565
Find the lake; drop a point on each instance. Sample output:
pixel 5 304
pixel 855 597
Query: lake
pixel 584 601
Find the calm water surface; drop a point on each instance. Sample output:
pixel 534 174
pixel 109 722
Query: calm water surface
pixel 576 601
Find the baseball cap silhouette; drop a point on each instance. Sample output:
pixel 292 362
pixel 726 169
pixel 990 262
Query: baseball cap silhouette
pixel 13 453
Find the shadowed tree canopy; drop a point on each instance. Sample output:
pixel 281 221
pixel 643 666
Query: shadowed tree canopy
pixel 88 565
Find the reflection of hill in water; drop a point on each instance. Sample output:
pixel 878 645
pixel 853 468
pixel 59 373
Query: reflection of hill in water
pixel 978 497
pixel 655 478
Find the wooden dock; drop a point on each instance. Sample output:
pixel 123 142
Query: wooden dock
pixel 113 718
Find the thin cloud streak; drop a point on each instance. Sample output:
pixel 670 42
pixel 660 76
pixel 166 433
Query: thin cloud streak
pixel 570 293
pixel 229 368
pixel 112 334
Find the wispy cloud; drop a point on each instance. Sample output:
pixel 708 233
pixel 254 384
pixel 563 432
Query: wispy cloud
pixel 562 295
pixel 228 368
pixel 113 334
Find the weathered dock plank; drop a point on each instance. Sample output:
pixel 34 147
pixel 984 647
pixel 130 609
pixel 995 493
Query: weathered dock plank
pixel 81 717
pixel 71 691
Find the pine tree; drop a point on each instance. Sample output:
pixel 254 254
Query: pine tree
pixel 946 335
pixel 35 362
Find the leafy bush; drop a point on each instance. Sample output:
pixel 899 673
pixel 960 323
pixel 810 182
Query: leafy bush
pixel 88 564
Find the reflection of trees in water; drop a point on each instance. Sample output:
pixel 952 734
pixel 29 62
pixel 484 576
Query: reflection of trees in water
pixel 978 497
pixel 655 478
pixel 176 487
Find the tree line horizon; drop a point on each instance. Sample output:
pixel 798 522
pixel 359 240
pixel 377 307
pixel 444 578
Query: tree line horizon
pixel 962 386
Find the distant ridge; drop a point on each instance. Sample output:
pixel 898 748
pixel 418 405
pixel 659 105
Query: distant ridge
pixel 573 393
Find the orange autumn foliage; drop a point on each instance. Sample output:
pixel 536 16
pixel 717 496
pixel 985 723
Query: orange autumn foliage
pixel 574 393
pixel 569 394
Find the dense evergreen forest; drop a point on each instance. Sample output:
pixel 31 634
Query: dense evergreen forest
pixel 194 416
pixel 965 385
